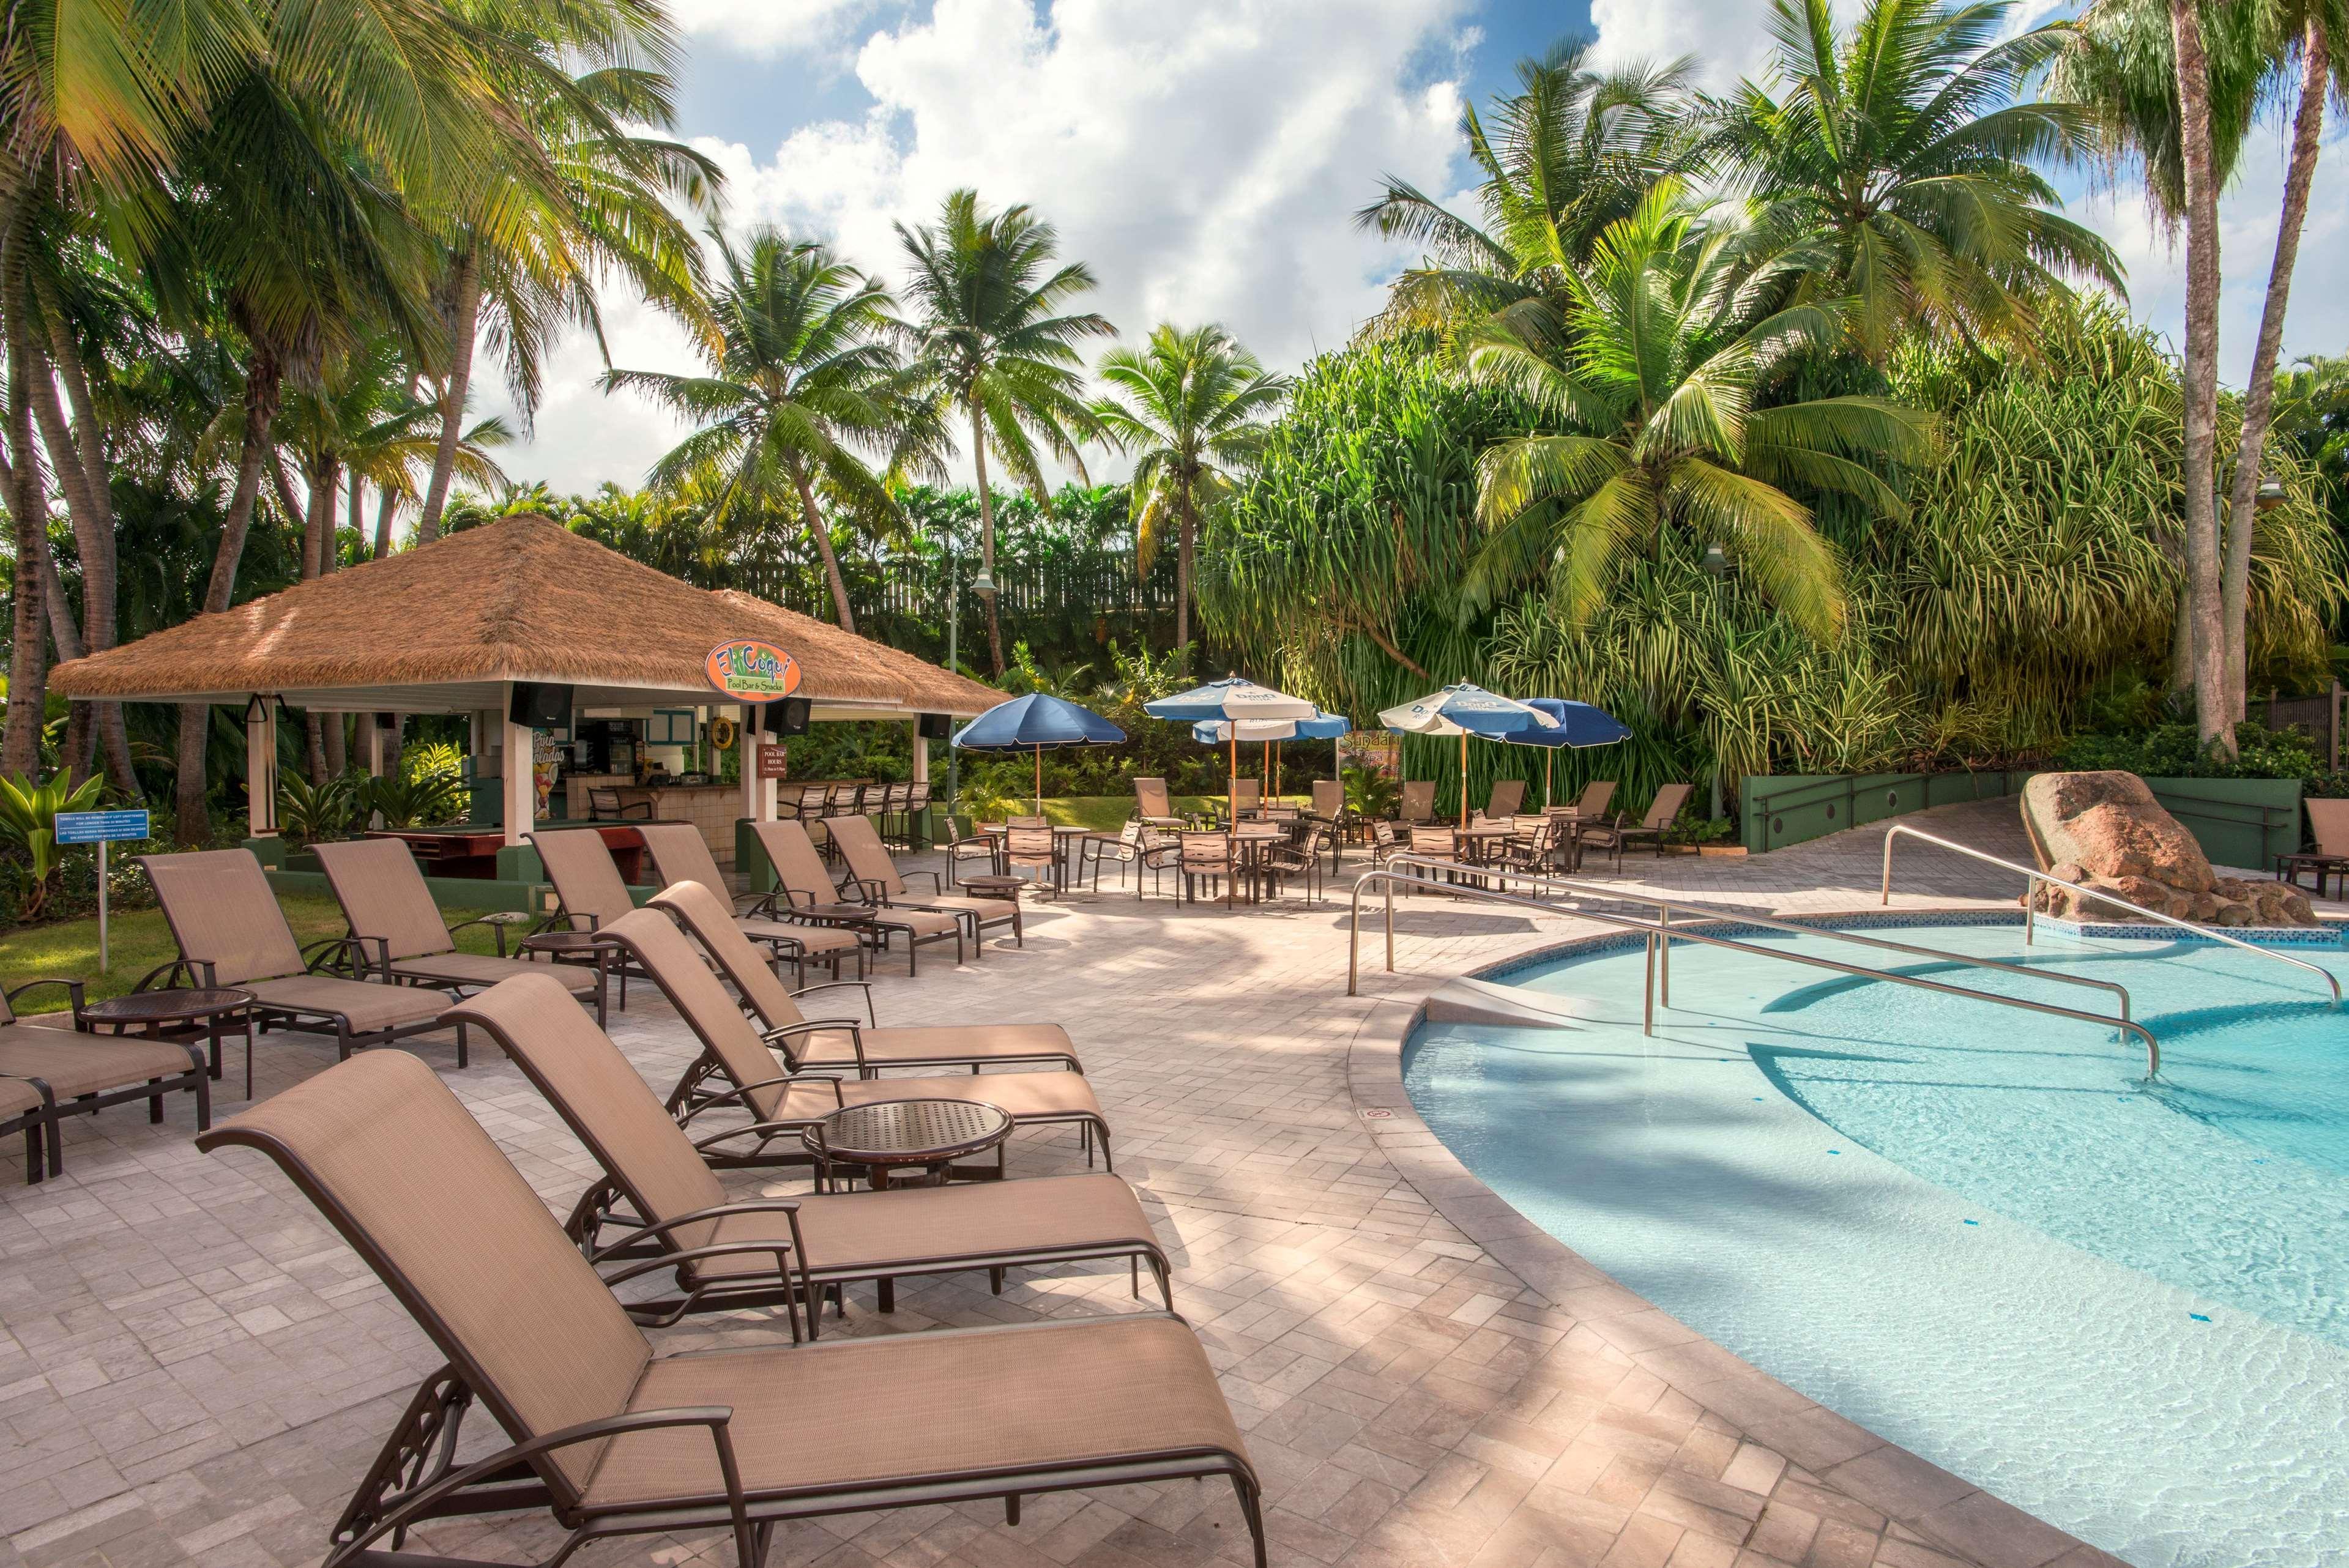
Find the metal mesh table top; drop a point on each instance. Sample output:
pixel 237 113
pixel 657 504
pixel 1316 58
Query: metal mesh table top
pixel 909 1130
pixel 168 1005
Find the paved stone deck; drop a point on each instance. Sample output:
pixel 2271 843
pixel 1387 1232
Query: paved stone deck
pixel 194 1369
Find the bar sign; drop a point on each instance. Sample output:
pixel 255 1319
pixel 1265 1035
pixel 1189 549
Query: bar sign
pixel 100 827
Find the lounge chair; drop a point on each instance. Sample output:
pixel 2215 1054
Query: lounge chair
pixel 1508 794
pixel 807 885
pixel 231 932
pixel 733 1054
pixel 681 854
pixel 401 935
pixel 1247 794
pixel 1418 803
pixel 48 1074
pixel 1590 806
pixel 1152 806
pixel 588 891
pixel 656 1178
pixel 1616 836
pixel 616 1441
pixel 869 863
pixel 830 1044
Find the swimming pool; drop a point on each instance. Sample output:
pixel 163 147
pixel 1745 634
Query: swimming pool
pixel 1975 1230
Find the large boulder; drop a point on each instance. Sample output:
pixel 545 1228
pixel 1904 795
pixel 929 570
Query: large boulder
pixel 2106 831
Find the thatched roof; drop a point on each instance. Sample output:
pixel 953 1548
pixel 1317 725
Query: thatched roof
pixel 523 599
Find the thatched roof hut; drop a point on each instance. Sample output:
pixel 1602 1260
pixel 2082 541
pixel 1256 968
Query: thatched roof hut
pixel 442 627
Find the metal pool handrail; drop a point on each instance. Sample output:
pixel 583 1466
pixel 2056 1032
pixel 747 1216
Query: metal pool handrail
pixel 1665 906
pixel 1660 934
pixel 2031 903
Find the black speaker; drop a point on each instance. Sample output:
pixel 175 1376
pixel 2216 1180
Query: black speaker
pixel 788 715
pixel 539 705
pixel 936 726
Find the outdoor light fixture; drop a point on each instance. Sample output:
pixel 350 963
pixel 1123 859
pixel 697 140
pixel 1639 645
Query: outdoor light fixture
pixel 2270 493
pixel 1717 564
pixel 983 584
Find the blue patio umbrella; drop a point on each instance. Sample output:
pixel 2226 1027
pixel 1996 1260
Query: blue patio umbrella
pixel 1037 722
pixel 1233 697
pixel 1464 708
pixel 1578 725
pixel 1320 726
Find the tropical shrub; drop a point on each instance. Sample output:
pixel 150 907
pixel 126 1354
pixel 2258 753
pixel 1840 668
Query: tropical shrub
pixel 307 812
pixel 28 818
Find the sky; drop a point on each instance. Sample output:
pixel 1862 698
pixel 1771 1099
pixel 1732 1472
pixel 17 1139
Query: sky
pixel 1206 157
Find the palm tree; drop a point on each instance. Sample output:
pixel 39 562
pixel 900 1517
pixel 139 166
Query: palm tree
pixel 805 382
pixel 1659 367
pixel 1572 151
pixel 1189 408
pixel 520 272
pixel 2126 66
pixel 991 340
pixel 1897 166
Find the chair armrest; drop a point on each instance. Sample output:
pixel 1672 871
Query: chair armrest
pixel 73 990
pixel 937 883
pixel 733 1096
pixel 715 1211
pixel 773 1038
pixel 864 985
pixel 766 1130
pixel 492 922
pixel 420 1504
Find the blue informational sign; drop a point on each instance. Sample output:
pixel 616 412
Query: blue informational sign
pixel 100 827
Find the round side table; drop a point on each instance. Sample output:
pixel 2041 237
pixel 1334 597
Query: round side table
pixel 184 1010
pixel 892 1139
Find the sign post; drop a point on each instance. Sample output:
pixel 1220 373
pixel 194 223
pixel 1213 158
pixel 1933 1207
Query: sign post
pixel 100 828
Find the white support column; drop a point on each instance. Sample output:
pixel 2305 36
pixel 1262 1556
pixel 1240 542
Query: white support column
pixel 521 784
pixel 261 768
pixel 921 756
pixel 374 743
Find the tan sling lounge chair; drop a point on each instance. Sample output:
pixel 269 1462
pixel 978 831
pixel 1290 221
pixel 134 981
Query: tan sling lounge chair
pixel 232 932
pixel 1508 794
pixel 401 935
pixel 1590 806
pixel 655 1178
pixel 588 891
pixel 831 1044
pixel 616 1441
pixel 734 1055
pixel 48 1074
pixel 1418 803
pixel 1617 836
pixel 807 885
pixel 870 865
pixel 681 854
pixel 1154 806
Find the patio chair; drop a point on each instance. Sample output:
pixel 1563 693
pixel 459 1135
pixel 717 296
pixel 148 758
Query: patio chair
pixel 1534 844
pixel 1591 805
pixel 1508 794
pixel 1383 842
pixel 1032 844
pixel 829 1044
pixel 983 848
pixel 1614 837
pixel 1137 848
pixel 656 1181
pixel 733 1054
pixel 681 854
pixel 1206 854
pixel 2328 823
pixel 47 1074
pixel 1152 806
pixel 1418 802
pixel 869 863
pixel 615 1441
pixel 588 891
pixel 807 885
pixel 603 806
pixel 1247 795
pixel 229 932
pixel 400 933
pixel 1302 857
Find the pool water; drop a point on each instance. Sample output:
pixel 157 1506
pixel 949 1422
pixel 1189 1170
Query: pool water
pixel 1976 1231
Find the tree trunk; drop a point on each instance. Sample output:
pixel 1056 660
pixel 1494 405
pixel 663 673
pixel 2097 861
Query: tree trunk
pixel 465 321
pixel 29 369
pixel 2259 398
pixel 94 541
pixel 822 531
pixel 354 519
pixel 317 532
pixel 28 667
pixel 1185 527
pixel 263 376
pixel 985 539
pixel 382 525
pixel 2212 713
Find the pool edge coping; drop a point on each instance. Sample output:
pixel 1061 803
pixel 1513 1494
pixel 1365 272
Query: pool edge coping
pixel 1945 1508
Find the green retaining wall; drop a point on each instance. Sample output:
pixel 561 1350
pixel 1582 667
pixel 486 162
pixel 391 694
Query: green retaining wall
pixel 2242 823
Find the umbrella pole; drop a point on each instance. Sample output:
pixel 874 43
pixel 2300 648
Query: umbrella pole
pixel 1464 777
pixel 1232 783
pixel 1040 781
pixel 1546 760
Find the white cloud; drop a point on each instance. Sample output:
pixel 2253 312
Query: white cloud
pixel 768 27
pixel 1726 37
pixel 1205 160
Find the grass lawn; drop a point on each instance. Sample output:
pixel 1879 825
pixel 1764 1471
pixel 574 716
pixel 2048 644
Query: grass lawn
pixel 68 949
